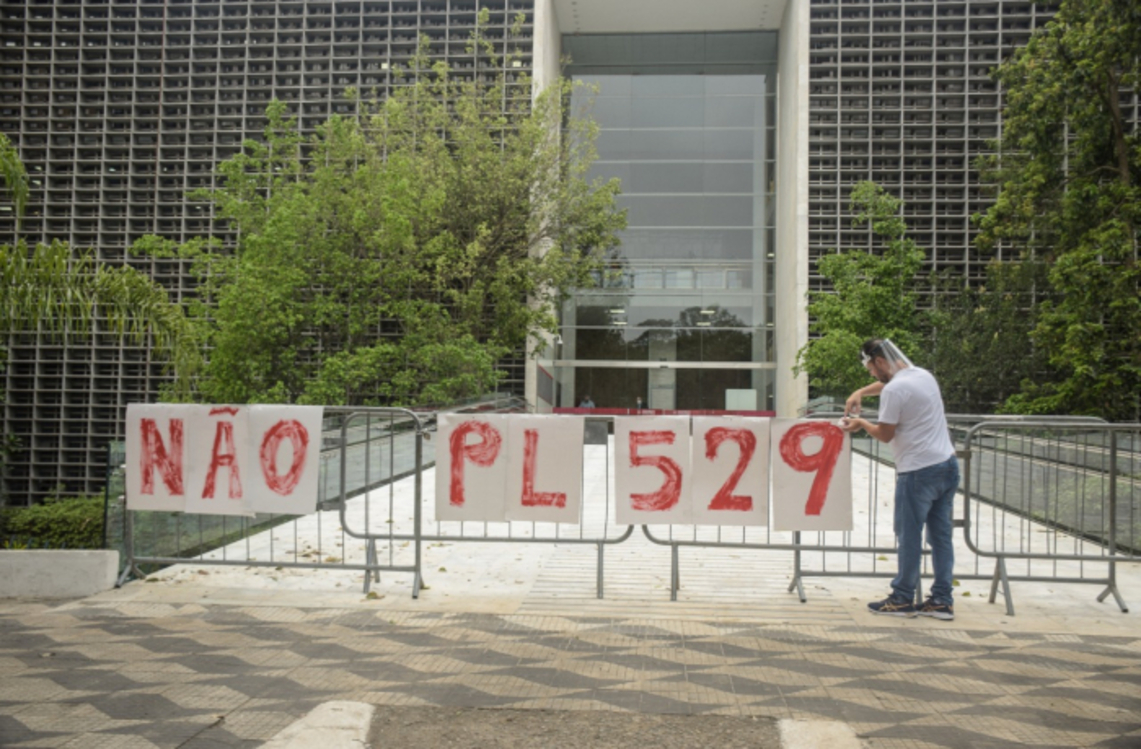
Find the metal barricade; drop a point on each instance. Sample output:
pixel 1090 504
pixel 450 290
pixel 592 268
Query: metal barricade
pixel 866 544
pixel 1059 495
pixel 1062 500
pixel 367 455
pixel 594 529
pixel 382 444
pixel 869 549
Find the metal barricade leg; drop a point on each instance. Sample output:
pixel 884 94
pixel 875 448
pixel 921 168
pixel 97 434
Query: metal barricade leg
pixel 1112 582
pixel 370 558
pixel 797 583
pixel 129 547
pixel 601 548
pixel 1112 588
pixel 1001 577
pixel 675 573
pixel 418 515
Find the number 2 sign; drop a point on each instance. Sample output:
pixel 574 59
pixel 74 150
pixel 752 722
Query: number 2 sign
pixel 731 471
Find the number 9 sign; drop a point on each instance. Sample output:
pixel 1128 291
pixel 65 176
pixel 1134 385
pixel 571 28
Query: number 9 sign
pixel 812 476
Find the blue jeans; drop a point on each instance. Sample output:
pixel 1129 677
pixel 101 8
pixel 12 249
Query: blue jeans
pixel 926 496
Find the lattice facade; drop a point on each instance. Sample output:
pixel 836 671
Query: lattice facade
pixel 119 108
pixel 901 93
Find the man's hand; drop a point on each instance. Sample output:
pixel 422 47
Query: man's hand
pixel 880 431
pixel 852 405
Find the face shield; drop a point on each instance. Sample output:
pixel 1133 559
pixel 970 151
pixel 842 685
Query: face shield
pixel 891 358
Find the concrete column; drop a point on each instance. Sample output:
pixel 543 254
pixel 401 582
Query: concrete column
pixel 545 61
pixel 792 206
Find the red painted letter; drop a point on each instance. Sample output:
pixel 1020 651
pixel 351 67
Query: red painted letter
pixel 530 497
pixel 482 453
pixel 223 435
pixel 154 455
pixel 822 462
pixel 724 499
pixel 670 492
pixel 298 435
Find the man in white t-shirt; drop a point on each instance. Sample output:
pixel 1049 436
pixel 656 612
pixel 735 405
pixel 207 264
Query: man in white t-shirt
pixel 927 474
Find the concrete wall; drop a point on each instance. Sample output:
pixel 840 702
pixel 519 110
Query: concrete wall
pixel 47 573
pixel 792 206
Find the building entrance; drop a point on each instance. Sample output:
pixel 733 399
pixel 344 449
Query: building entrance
pixel 684 313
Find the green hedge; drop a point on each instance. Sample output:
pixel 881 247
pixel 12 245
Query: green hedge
pixel 72 523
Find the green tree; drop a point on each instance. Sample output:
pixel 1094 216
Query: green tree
pixel 399 254
pixel 13 175
pixel 980 347
pixel 1067 168
pixel 52 289
pixel 872 296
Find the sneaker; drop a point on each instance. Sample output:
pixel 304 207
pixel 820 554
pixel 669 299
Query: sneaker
pixel 891 607
pixel 944 611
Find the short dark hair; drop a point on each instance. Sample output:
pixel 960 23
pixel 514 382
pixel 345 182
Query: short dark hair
pixel 872 348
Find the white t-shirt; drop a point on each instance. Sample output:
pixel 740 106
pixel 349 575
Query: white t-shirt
pixel 913 403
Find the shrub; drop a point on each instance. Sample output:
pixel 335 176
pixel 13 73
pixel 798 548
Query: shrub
pixel 71 523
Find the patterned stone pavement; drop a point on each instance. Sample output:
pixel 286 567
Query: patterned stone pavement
pixel 141 674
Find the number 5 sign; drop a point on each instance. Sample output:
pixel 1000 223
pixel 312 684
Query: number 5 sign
pixel 652 476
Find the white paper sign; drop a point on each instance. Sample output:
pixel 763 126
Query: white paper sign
pixel 156 457
pixel 220 475
pixel 651 463
pixel 286 454
pixel 812 476
pixel 544 468
pixel 223 460
pixel 471 467
pixel 730 459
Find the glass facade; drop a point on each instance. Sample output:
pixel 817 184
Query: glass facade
pixel 684 312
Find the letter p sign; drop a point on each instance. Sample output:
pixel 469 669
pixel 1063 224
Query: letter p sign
pixel 471 470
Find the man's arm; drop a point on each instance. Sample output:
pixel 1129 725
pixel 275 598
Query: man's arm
pixel 852 405
pixel 882 432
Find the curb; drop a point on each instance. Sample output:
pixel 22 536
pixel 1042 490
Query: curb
pixel 813 734
pixel 345 725
pixel 333 725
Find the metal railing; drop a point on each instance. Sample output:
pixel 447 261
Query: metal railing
pixel 363 450
pixel 1059 496
pixel 385 447
pixel 1072 491
pixel 595 527
pixel 869 549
